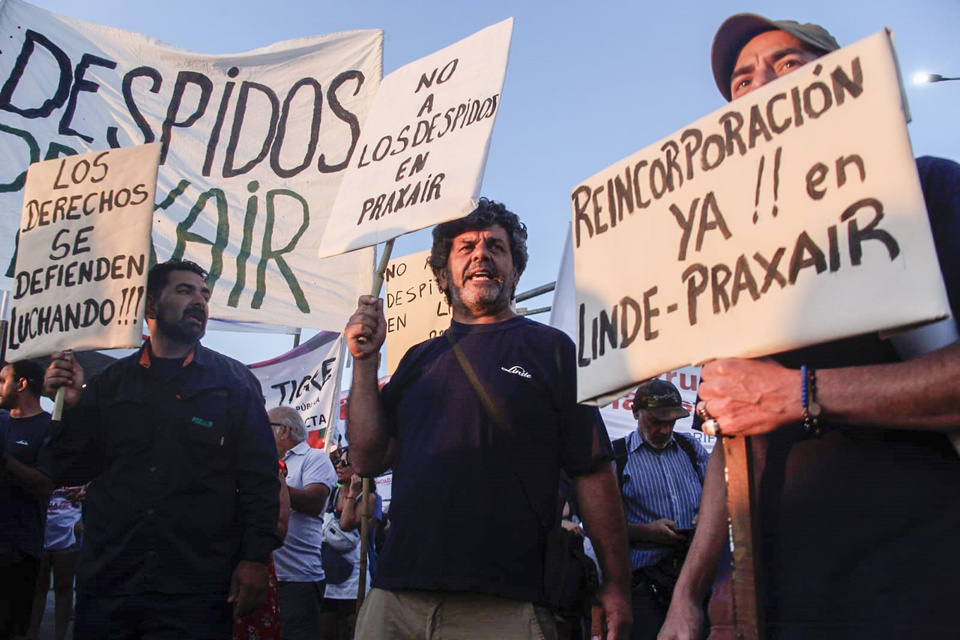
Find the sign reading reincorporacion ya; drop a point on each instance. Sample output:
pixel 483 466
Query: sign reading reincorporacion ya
pixel 789 217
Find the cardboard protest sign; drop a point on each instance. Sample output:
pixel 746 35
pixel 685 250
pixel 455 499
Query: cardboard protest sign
pixel 305 378
pixel 253 147
pixel 618 414
pixel 421 155
pixel 789 217
pixel 415 308
pixel 84 247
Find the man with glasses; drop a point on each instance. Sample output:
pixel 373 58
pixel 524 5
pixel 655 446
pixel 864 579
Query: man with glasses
pixel 310 476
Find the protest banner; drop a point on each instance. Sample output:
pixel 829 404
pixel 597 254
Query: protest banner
pixel 790 217
pixel 81 271
pixel 305 378
pixel 253 147
pixel 415 309
pixel 618 414
pixel 422 151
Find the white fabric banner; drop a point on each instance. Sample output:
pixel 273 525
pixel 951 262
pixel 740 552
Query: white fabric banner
pixel 618 414
pixel 81 271
pixel 421 155
pixel 305 378
pixel 792 216
pixel 253 149
pixel 416 310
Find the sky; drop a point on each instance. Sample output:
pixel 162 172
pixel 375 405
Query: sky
pixel 587 83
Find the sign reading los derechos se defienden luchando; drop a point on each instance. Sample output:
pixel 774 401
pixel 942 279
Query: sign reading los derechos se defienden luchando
pixel 792 216
pixel 84 251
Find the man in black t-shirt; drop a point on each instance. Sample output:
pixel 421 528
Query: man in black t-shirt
pixel 476 425
pixel 23 429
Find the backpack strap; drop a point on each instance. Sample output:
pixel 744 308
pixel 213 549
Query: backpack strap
pixel 620 458
pixel 620 455
pixel 686 444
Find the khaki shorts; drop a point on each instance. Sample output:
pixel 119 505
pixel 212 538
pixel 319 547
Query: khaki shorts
pixel 443 615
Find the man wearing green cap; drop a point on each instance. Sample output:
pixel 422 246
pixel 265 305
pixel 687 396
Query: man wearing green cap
pixel 661 475
pixel 858 493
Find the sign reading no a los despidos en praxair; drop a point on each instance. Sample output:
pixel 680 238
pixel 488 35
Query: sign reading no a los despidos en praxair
pixel 790 217
pixel 421 156
pixel 83 252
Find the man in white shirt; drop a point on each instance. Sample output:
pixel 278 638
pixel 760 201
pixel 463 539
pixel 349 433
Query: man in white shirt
pixel 310 476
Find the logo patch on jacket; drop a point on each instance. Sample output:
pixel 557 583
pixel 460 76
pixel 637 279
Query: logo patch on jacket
pixel 200 421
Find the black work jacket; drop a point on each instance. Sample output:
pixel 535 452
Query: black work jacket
pixel 184 475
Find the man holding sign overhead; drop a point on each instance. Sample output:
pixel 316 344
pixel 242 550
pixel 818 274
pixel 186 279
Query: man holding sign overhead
pixel 476 425
pixel 857 493
pixel 182 509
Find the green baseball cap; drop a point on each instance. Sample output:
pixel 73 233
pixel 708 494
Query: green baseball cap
pixel 660 398
pixel 738 30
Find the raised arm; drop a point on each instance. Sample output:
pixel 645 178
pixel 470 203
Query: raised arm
pixel 371 446
pixel 749 397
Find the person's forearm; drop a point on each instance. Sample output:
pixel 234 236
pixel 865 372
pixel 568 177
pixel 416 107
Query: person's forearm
pixel 751 397
pixel 27 477
pixel 350 516
pixel 923 393
pixel 308 502
pixel 700 566
pixel 370 441
pixel 602 513
pixel 283 521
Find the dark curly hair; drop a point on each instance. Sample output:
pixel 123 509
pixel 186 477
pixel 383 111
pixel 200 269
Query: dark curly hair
pixel 487 214
pixel 160 274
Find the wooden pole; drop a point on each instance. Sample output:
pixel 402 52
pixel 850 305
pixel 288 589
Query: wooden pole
pixel 365 499
pixel 744 539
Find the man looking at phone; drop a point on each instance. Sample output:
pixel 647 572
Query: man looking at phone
pixel 661 480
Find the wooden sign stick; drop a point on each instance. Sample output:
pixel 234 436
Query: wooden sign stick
pixel 744 538
pixel 364 500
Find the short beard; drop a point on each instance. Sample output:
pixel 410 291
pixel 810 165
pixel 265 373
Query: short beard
pixel 179 333
pixel 488 302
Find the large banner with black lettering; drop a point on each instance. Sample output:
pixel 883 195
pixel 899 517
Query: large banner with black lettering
pixel 790 217
pixel 81 271
pixel 422 152
pixel 416 309
pixel 253 147
pixel 305 378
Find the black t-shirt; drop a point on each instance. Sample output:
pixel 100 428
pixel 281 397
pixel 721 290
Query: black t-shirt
pixel 21 524
pixel 461 518
pixel 858 525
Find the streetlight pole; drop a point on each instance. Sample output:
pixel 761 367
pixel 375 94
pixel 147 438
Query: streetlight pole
pixel 921 78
